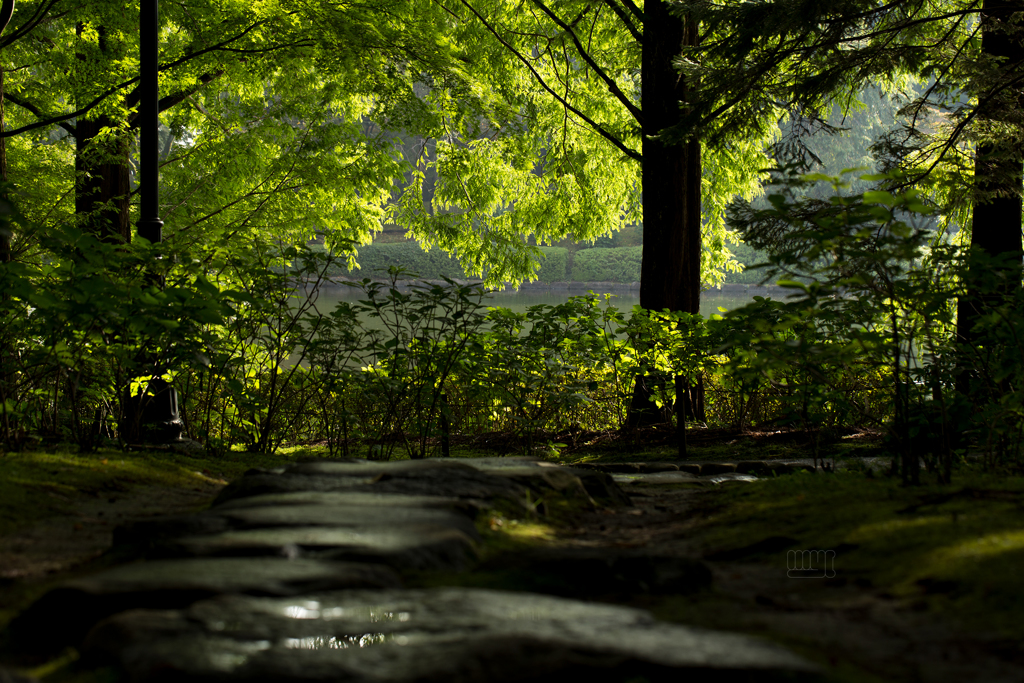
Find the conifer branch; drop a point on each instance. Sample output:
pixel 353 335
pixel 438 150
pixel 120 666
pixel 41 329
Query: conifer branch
pixel 958 129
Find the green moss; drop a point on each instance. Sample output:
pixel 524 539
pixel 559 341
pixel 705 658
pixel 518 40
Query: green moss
pixel 36 485
pixel 955 549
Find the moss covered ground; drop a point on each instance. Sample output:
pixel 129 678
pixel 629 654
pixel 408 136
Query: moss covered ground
pixel 953 549
pixel 37 485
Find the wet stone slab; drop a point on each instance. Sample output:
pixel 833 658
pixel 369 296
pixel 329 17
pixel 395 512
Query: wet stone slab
pixel 291 576
pixel 447 479
pixel 65 614
pixel 572 484
pixel 591 572
pixel 657 478
pixel 159 535
pixel 369 499
pixel 450 634
pixel 413 546
pixel 539 475
pixel 731 476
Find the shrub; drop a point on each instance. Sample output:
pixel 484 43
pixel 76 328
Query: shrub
pixel 607 265
pixel 554 264
pixel 376 259
pixel 748 256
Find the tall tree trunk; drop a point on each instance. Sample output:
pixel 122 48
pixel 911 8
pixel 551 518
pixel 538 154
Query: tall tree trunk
pixel 102 193
pixel 999 181
pixel 102 190
pixel 670 271
pixel 5 238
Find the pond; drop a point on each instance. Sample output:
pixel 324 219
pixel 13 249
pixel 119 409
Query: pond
pixel 712 301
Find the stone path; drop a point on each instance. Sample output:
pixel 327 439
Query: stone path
pixel 297 574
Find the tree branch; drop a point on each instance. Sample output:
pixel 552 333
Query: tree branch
pixel 621 14
pixel 634 10
pixel 133 96
pixel 166 103
pixel 596 127
pixel 613 87
pixel 958 129
pixel 33 21
pixel 33 109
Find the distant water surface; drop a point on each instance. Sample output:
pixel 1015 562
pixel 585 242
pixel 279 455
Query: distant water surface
pixel 711 301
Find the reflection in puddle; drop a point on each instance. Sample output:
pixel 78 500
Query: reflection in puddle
pixel 731 477
pixel 313 610
pixel 341 642
pixel 228 661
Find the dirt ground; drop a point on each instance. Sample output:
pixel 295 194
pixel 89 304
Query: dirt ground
pixel 857 632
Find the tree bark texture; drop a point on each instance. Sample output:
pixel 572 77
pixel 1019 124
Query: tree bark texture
pixel 102 190
pixel 102 194
pixel 5 238
pixel 998 178
pixel 670 271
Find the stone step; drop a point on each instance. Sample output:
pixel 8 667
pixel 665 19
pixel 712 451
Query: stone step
pixel 64 615
pixel 445 634
pixel 295 575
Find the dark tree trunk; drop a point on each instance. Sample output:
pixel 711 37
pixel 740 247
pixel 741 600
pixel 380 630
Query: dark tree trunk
pixel 670 272
pixel 102 190
pixel 998 178
pixel 5 238
pixel 102 193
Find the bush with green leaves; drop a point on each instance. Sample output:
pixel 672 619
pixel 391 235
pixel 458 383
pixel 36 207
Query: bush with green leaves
pixel 621 264
pixel 878 300
pixel 553 264
pixel 866 338
pixel 84 328
pixel 256 386
pixel 407 362
pixel 543 369
pixel 375 260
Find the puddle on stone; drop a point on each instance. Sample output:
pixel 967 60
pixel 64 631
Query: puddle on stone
pixel 342 642
pixel 450 634
pixel 314 610
pixel 655 478
pixel 719 478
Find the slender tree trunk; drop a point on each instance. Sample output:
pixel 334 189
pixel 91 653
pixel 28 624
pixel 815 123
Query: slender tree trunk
pixel 670 271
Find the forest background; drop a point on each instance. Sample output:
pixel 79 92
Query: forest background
pixel 486 131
